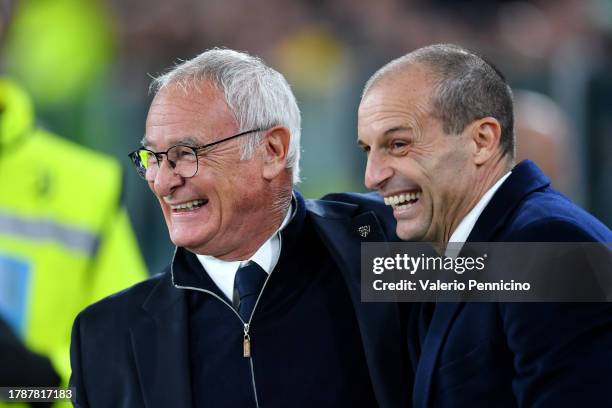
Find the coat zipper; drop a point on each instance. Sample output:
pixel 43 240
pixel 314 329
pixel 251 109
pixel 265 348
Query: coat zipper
pixel 246 345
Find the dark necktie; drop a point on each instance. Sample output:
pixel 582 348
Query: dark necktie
pixel 248 282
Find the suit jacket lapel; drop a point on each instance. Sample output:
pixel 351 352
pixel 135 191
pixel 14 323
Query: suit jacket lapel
pixel 525 178
pixel 161 347
pixel 379 323
pixel 441 321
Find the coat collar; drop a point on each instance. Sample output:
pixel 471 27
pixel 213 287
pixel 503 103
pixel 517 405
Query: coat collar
pixel 342 227
pixel 526 178
pixel 163 339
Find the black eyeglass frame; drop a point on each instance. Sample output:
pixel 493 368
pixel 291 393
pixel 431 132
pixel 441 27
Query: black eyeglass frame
pixel 135 157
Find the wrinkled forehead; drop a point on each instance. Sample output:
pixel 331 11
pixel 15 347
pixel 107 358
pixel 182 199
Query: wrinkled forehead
pixel 411 83
pixel 396 104
pixel 396 97
pixel 192 116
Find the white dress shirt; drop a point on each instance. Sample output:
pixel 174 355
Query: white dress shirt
pixel 465 227
pixel 223 272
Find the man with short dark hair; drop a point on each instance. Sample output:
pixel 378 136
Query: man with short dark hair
pixel 260 305
pixel 437 126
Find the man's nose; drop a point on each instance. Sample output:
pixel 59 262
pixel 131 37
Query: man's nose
pixel 377 172
pixel 166 179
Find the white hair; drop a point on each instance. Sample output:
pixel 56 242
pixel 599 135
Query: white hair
pixel 258 96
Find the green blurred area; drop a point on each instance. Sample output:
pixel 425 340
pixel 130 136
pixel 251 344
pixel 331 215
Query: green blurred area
pixel 57 48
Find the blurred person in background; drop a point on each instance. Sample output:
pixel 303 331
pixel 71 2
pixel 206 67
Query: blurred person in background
pixel 260 305
pixel 544 135
pixel 63 232
pixel 437 127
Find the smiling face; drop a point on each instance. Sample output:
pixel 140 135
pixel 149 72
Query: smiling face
pixel 422 172
pixel 224 209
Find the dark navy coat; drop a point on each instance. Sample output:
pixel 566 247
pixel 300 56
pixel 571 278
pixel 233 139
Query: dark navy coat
pixel 131 349
pixel 519 354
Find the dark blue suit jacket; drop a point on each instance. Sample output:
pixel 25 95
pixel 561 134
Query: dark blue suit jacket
pixel 520 354
pixel 131 349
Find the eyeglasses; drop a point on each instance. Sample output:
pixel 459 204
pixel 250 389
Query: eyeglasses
pixel 182 158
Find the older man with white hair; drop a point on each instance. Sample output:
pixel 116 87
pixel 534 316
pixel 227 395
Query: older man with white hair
pixel 260 305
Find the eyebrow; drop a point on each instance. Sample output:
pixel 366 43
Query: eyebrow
pixel 387 133
pixel 187 140
pixel 396 129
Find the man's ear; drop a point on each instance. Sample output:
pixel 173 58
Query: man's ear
pixel 486 136
pixel 276 148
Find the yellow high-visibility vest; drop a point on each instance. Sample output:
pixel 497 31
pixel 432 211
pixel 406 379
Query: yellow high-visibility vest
pixel 65 239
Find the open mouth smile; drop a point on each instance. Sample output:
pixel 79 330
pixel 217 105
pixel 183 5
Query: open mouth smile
pixel 187 206
pixel 403 201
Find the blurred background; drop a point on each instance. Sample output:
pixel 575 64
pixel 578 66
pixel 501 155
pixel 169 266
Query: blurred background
pixel 87 65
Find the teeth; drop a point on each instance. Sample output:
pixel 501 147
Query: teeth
pixel 398 200
pixel 187 205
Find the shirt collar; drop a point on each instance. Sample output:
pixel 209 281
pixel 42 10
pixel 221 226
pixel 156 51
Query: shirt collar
pixel 462 232
pixel 223 272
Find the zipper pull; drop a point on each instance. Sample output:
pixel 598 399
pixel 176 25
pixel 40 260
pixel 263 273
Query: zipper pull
pixel 246 345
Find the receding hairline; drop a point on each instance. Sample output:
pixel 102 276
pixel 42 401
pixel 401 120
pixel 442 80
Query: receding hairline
pixel 400 68
pixel 400 73
pixel 425 57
